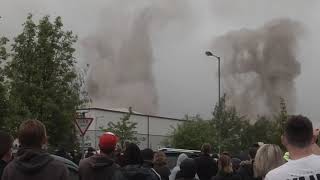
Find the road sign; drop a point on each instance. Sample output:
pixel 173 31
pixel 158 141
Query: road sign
pixel 83 124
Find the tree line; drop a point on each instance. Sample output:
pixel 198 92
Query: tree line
pixel 228 130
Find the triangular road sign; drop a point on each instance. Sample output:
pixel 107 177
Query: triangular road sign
pixel 83 124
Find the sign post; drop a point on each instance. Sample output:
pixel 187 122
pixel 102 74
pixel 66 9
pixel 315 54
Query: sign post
pixel 83 125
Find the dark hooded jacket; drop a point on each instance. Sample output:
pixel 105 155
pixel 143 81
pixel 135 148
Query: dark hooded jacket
pixel 2 166
pixel 188 170
pixel 246 170
pixel 137 172
pixel 206 167
pixel 97 167
pixel 149 165
pixel 31 164
pixel 226 176
pixel 134 169
pixel 163 171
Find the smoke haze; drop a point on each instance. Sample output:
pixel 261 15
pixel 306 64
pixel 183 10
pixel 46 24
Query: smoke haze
pixel 260 67
pixel 120 60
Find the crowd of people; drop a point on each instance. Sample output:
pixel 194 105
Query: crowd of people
pixel 263 162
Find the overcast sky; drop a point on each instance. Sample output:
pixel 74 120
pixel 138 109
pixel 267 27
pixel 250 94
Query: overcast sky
pixel 186 80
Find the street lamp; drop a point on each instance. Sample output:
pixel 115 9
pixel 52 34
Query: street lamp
pixel 208 53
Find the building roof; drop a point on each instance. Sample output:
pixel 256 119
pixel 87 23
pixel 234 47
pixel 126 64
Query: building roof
pixel 124 110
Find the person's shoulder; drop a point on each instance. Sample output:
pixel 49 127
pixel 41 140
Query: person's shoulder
pixel 215 178
pixel 56 164
pixel 277 172
pixel 197 159
pixel 316 158
pixel 236 177
pixel 10 166
pixel 84 161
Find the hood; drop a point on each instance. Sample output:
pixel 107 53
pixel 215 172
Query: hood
pixel 188 168
pixel 181 158
pixel 30 161
pixel 100 161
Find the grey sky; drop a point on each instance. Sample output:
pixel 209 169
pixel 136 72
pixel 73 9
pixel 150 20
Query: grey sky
pixel 186 79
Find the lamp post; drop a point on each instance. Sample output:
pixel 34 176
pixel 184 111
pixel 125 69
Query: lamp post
pixel 210 54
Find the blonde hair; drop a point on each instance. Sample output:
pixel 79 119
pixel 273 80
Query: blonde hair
pixel 268 157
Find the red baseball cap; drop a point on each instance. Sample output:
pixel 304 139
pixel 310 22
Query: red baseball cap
pixel 108 140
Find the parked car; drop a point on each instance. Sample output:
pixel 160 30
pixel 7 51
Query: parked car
pixel 172 155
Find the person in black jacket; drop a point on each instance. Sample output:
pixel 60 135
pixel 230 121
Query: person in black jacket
pixel 147 156
pixel 246 167
pixel 161 165
pixel 133 169
pixel 188 170
pixel 225 169
pixel 6 142
pixel 206 165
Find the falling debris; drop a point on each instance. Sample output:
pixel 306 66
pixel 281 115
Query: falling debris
pixel 260 66
pixel 120 58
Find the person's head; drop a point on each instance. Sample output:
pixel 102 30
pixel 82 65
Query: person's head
pixel 268 157
pixel 6 142
pixel 298 133
pixel 206 148
pixel 132 154
pixel 147 154
pixel 107 143
pixel 253 152
pixel 226 153
pixel 188 168
pixel 32 134
pixel 160 159
pixel 224 164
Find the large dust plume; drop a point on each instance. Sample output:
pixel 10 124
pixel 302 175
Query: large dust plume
pixel 120 57
pixel 260 66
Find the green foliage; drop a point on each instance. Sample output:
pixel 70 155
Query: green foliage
pixel 3 88
pixel 43 81
pixel 227 130
pixel 124 129
pixel 192 133
pixel 229 127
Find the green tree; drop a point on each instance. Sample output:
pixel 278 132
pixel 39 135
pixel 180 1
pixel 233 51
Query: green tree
pixel 268 129
pixel 262 130
pixel 192 133
pixel 279 121
pixel 224 131
pixel 124 129
pixel 229 127
pixel 3 89
pixel 43 80
pixel 228 131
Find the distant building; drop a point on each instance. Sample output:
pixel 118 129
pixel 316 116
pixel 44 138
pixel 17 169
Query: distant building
pixel 152 130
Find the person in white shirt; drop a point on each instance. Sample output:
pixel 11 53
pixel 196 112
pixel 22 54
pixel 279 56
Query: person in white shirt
pixel 299 140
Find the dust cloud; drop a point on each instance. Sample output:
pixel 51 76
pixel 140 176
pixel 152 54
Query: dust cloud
pixel 259 66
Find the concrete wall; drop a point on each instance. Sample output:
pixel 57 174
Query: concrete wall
pixel 150 128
